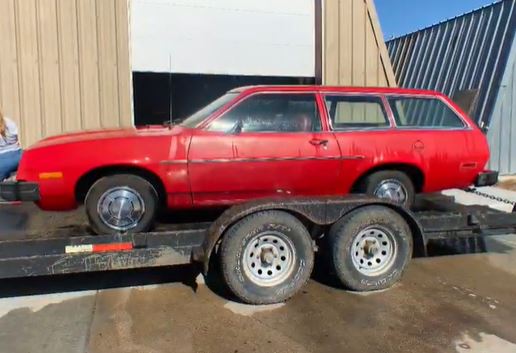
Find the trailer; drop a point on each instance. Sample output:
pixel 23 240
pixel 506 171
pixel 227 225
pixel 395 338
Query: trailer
pixel 266 247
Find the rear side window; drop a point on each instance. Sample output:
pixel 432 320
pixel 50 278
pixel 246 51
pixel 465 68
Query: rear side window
pixel 355 112
pixel 271 112
pixel 424 113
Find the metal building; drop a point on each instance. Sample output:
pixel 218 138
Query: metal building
pixel 70 65
pixel 471 58
pixel 354 52
pixel 64 65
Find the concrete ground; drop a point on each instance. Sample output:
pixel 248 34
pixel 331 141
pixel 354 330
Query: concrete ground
pixel 507 182
pixel 460 303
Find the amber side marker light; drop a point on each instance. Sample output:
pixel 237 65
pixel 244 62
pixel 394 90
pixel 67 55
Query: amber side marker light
pixel 52 175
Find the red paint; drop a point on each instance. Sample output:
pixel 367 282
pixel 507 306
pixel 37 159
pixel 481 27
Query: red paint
pixel 112 247
pixel 203 168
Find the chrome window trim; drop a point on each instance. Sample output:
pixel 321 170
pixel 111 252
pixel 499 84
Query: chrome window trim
pixel 361 129
pixel 313 92
pixel 466 126
pixel 357 129
pixel 429 128
pixel 221 109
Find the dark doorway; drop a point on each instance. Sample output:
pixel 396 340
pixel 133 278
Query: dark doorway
pixel 154 93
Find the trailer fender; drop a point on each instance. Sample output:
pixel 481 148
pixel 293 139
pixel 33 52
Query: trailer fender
pixel 418 235
pixel 320 211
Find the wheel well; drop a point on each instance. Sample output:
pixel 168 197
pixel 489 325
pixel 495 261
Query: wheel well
pixel 87 180
pixel 414 173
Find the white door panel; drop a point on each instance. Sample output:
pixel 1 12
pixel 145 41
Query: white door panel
pixel 236 37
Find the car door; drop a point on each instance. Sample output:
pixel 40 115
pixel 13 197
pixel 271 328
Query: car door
pixel 210 171
pixel 364 133
pixel 279 147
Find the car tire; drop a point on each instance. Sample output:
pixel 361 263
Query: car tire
pixel 370 247
pixel 122 203
pixel 376 183
pixel 274 242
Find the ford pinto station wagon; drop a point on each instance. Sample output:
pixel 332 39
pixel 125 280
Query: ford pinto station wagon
pixel 257 142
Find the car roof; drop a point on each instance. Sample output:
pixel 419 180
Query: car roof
pixel 348 89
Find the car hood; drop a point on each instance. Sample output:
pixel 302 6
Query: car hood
pixel 95 135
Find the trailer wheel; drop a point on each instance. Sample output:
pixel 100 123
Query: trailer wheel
pixel 266 257
pixel 371 247
pixel 121 203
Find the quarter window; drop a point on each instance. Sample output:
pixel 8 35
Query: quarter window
pixel 271 113
pixel 424 113
pixel 355 112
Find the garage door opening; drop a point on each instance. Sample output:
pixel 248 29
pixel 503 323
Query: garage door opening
pixel 157 96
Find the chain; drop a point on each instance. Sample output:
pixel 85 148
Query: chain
pixel 491 197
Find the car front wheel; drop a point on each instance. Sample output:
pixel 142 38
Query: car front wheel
pixel 120 204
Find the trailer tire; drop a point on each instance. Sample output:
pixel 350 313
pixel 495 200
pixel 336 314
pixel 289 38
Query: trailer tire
pixel 139 202
pixel 370 247
pixel 266 257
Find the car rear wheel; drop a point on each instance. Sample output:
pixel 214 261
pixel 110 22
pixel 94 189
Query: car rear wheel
pixel 392 185
pixel 121 204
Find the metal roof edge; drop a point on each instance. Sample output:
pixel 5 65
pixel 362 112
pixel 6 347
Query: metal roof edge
pixel 482 8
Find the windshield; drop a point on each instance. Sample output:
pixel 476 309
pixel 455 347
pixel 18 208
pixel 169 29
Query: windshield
pixel 193 120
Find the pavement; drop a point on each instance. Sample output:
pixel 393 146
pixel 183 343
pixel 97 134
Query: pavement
pixel 460 303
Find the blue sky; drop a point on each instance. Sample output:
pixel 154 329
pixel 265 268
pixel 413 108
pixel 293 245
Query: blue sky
pixel 400 17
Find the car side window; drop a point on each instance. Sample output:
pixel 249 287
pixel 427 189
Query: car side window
pixel 424 113
pixel 355 112
pixel 271 112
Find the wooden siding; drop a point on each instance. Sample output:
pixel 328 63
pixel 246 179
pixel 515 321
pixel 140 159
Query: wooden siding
pixel 354 52
pixel 65 65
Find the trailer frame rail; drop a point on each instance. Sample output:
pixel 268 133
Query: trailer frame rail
pixel 186 244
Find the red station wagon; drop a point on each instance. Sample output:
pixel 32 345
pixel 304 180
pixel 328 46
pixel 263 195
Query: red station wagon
pixel 257 142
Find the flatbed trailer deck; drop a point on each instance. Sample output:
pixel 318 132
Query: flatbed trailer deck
pixel 179 245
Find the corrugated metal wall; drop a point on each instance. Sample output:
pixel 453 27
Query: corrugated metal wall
pixel 502 131
pixel 468 52
pixel 354 52
pixel 64 65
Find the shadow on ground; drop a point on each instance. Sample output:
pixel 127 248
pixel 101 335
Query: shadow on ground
pixel 98 280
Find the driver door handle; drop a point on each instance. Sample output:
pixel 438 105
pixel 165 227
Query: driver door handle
pixel 319 142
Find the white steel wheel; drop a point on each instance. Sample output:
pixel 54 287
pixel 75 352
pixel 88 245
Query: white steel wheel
pixel 266 257
pixel 373 251
pixel 269 258
pixel 370 247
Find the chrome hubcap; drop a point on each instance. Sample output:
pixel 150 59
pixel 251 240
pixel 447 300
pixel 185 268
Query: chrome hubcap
pixel 121 208
pixel 373 251
pixel 391 189
pixel 269 258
